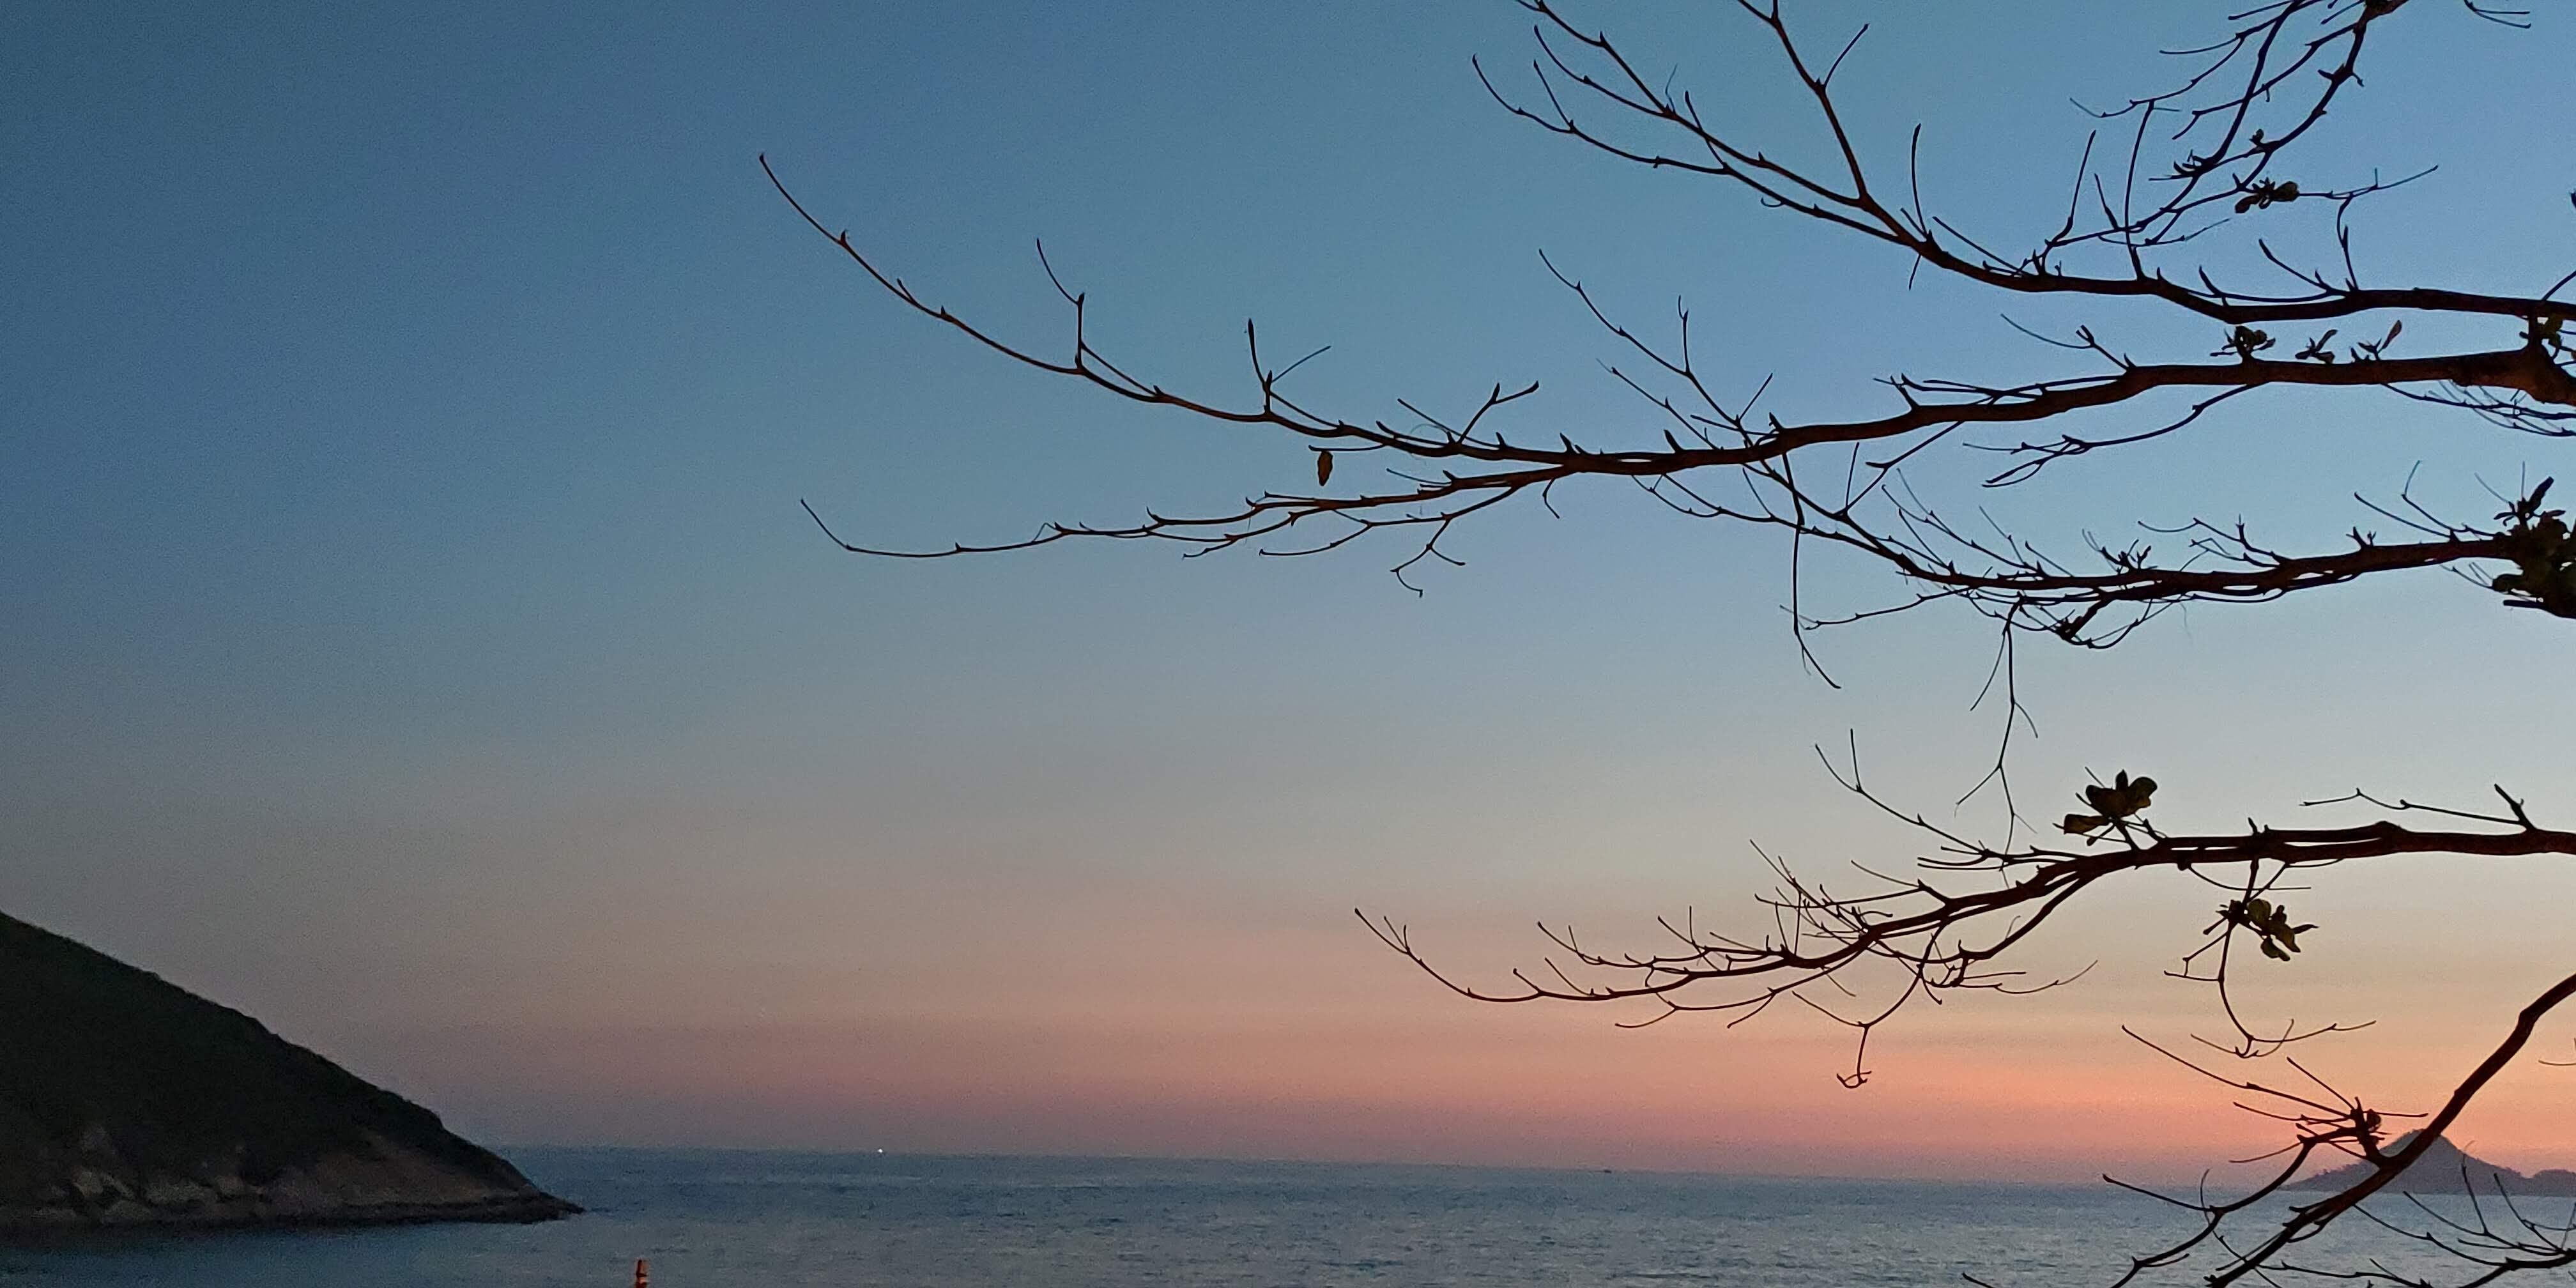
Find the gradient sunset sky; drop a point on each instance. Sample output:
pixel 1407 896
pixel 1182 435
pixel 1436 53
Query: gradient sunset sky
pixel 409 634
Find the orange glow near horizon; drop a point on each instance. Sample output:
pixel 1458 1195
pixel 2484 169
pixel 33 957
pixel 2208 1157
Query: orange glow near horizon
pixel 2044 1103
pixel 1184 1036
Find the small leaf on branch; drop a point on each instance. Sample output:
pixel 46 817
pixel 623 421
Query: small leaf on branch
pixel 1323 466
pixel 2264 193
pixel 2270 923
pixel 2244 342
pixel 2123 798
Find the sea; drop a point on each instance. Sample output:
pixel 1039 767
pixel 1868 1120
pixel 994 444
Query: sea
pixel 733 1219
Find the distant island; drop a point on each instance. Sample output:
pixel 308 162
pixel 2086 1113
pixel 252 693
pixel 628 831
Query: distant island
pixel 2447 1169
pixel 127 1101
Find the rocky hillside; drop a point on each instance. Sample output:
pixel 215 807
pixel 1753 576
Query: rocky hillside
pixel 128 1101
pixel 2445 1169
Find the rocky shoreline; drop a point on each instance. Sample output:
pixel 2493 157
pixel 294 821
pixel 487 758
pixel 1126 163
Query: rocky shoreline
pixel 128 1103
pixel 378 1183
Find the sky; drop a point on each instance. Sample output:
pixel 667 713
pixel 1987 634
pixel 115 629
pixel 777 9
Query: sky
pixel 410 634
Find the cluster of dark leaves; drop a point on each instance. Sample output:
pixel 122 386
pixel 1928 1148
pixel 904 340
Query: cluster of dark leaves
pixel 2244 342
pixel 2268 920
pixel 2113 804
pixel 2264 193
pixel 2544 571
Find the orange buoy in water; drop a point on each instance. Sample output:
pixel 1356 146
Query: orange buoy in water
pixel 643 1273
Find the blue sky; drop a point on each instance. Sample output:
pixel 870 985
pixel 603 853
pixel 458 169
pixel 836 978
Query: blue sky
pixel 412 633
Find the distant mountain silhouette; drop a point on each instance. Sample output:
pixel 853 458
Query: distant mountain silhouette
pixel 2447 1169
pixel 128 1101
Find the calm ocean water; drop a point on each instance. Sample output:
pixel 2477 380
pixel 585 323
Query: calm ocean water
pixel 761 1220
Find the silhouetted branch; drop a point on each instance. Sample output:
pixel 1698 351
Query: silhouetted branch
pixel 2161 181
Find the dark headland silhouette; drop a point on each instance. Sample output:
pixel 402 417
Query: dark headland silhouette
pixel 126 1101
pixel 2446 1169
